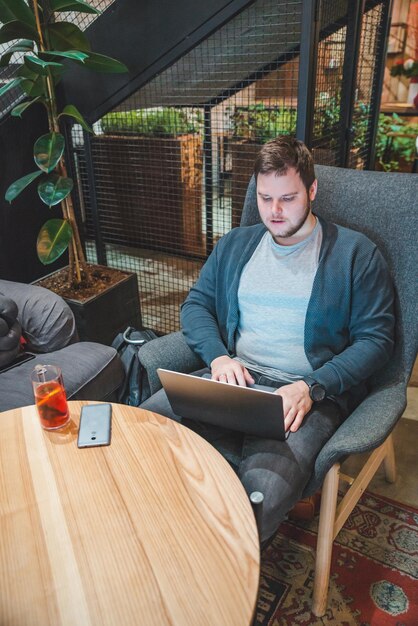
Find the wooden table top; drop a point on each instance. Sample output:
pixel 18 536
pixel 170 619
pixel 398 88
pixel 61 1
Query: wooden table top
pixel 155 529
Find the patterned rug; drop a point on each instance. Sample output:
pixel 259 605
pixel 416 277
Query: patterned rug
pixel 374 571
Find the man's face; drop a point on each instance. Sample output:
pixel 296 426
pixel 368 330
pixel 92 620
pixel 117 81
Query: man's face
pixel 285 206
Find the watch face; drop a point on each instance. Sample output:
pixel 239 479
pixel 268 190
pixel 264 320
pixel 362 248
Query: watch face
pixel 317 392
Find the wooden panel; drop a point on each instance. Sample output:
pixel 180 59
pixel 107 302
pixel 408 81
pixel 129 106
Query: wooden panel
pixel 149 191
pixel 243 157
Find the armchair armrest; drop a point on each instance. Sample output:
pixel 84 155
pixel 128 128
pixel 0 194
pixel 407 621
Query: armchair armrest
pixel 46 319
pixel 10 331
pixel 169 352
pixel 364 430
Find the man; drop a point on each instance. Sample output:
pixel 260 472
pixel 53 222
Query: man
pixel 295 303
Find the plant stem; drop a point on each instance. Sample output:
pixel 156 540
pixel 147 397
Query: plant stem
pixel 78 269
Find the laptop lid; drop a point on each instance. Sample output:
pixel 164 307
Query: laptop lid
pixel 246 409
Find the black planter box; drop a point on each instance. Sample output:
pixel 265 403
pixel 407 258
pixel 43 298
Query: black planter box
pixel 103 316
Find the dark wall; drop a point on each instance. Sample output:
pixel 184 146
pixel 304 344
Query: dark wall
pixel 147 36
pixel 21 220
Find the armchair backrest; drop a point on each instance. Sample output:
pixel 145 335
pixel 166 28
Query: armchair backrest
pixel 383 206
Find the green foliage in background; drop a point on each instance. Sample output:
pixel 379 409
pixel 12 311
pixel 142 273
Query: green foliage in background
pixel 260 124
pixel 44 43
pixel 327 120
pixel 390 151
pixel 164 122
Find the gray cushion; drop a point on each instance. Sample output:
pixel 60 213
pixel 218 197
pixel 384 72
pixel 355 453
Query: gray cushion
pixel 46 319
pixel 90 371
pixel 10 331
pixel 168 352
pixel 364 430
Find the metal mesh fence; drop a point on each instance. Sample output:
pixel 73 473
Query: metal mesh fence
pixel 366 88
pixel 83 20
pixel 8 74
pixel 172 163
pixel 166 174
pixel 326 139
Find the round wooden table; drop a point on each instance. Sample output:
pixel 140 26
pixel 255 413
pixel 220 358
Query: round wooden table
pixel 155 529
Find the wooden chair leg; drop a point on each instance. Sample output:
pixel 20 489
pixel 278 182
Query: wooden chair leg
pixel 389 461
pixel 325 540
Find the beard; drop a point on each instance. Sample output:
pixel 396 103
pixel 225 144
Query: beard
pixel 294 228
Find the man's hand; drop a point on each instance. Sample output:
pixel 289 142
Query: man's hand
pixel 296 404
pixel 227 370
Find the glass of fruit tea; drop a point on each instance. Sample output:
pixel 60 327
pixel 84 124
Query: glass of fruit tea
pixel 50 397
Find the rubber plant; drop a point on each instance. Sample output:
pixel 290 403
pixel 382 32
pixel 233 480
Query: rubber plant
pixel 48 47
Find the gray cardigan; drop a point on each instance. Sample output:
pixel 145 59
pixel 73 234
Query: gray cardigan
pixel 349 322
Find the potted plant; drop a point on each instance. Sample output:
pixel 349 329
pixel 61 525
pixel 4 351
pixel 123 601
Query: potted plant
pixel 251 127
pixel 159 151
pixel 48 47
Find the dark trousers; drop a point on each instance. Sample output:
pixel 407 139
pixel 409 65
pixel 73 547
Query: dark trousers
pixel 279 469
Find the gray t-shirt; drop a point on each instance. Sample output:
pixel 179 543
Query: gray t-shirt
pixel 273 296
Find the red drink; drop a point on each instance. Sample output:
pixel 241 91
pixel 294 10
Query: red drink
pixel 50 397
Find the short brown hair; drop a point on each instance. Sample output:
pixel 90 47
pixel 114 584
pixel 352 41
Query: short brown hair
pixel 282 153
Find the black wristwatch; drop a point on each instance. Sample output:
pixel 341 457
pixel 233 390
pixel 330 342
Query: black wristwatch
pixel 316 391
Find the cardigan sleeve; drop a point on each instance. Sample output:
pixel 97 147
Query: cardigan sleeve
pixel 198 314
pixel 371 328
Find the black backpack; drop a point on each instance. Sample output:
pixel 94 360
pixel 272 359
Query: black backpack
pixel 135 388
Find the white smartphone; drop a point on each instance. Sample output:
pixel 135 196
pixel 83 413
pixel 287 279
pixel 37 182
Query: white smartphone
pixel 95 426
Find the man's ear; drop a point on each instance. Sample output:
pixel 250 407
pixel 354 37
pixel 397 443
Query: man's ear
pixel 313 189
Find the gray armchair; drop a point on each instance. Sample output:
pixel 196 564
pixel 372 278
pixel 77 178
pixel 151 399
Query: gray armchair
pixel 384 207
pixel 90 370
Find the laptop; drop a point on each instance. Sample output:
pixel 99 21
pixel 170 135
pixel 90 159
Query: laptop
pixel 252 410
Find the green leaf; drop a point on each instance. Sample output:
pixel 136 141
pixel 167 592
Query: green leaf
pixel 21 108
pixel 74 55
pixel 25 72
pixel 17 30
pixel 5 59
pixel 37 77
pixel 53 240
pixel 48 150
pixel 54 189
pixel 72 5
pixel 72 111
pixel 66 36
pixel 102 63
pixel 19 185
pixel 16 10
pixel 11 85
pixel 25 45
pixel 41 67
pixel 34 88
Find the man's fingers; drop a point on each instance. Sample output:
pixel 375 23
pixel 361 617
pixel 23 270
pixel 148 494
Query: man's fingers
pixel 297 421
pixel 240 376
pixel 225 377
pixel 231 378
pixel 290 415
pixel 227 370
pixel 247 377
pixel 234 375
